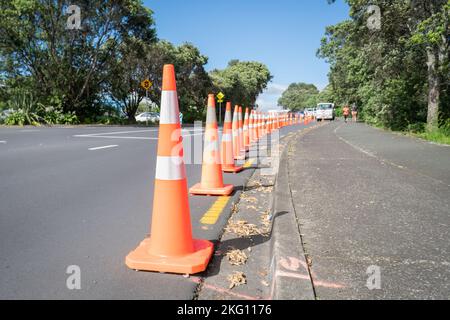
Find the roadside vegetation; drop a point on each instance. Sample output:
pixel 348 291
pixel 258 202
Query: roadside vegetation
pixel 397 72
pixel 392 59
pixel 50 74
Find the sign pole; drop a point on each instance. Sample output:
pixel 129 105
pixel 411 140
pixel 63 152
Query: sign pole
pixel 148 107
pixel 220 97
pixel 146 84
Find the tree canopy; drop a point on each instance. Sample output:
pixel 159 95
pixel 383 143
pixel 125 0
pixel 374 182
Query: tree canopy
pixel 299 96
pixel 242 81
pixel 399 72
pixel 69 66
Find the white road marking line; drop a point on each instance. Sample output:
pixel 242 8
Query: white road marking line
pixel 120 137
pixel 104 147
pixel 112 133
pixel 29 130
pixel 4 142
pixel 133 138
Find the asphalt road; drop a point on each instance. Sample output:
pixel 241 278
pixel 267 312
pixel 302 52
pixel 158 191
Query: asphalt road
pixel 368 201
pixel 83 196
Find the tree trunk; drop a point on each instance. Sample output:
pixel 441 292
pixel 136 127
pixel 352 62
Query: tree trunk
pixel 433 88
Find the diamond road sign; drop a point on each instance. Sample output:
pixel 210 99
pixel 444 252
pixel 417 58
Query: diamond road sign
pixel 146 84
pixel 220 97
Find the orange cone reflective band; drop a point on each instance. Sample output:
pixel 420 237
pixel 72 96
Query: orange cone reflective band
pixel 170 247
pixel 251 127
pixel 246 130
pixel 258 126
pixel 212 178
pixel 271 124
pixel 236 140
pixel 241 131
pixel 227 144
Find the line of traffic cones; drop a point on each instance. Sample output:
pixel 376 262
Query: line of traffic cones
pixel 170 246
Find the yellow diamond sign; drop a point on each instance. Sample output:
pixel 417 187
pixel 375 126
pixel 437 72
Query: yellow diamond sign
pixel 146 84
pixel 220 97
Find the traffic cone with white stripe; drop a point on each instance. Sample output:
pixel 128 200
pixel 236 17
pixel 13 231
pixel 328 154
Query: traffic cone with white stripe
pixel 251 127
pixel 238 155
pixel 269 123
pixel 246 130
pixel 170 247
pixel 212 178
pixel 258 126
pixel 227 152
pixel 241 131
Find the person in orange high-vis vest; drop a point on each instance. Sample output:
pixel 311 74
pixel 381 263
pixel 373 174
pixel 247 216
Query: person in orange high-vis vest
pixel 346 112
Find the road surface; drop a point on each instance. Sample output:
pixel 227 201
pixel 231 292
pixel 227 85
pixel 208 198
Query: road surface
pixel 83 196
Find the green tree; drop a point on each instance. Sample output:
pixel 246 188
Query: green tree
pixel 299 96
pixel 389 71
pixel 138 61
pixel 70 66
pixel 242 81
pixel 326 95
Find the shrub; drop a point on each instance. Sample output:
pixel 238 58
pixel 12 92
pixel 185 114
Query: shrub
pixel 69 118
pixel 416 127
pixel 16 118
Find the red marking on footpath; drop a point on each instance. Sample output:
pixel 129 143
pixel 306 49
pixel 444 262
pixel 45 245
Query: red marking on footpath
pixel 293 264
pixel 225 291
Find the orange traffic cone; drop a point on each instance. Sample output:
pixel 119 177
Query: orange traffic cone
pixel 212 178
pixel 241 131
pixel 258 126
pixel 227 144
pixel 170 248
pixel 236 139
pixel 264 124
pixel 251 127
pixel 246 130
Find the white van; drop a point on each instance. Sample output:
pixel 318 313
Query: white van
pixel 325 111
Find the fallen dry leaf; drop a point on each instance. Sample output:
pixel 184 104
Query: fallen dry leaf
pixel 251 199
pixel 242 228
pixel 237 279
pixel 236 257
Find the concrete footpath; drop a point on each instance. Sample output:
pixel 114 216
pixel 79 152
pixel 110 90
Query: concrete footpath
pixel 373 212
pixel 352 213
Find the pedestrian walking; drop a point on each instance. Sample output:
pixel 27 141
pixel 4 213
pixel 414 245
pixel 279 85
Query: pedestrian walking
pixel 346 112
pixel 354 112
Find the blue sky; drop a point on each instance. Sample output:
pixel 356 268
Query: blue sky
pixel 283 34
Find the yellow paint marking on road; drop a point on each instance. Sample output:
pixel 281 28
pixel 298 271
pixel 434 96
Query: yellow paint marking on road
pixel 213 214
pixel 249 163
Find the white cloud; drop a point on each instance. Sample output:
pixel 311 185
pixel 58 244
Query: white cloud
pixel 275 89
pixel 268 100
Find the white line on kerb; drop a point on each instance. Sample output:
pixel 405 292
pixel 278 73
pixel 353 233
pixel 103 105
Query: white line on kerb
pixel 104 147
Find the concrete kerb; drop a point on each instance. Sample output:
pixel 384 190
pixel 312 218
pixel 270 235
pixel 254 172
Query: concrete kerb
pixel 289 271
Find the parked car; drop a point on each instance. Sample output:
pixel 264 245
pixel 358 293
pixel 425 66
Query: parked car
pixel 148 116
pixel 310 112
pixel 325 111
pixel 5 113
